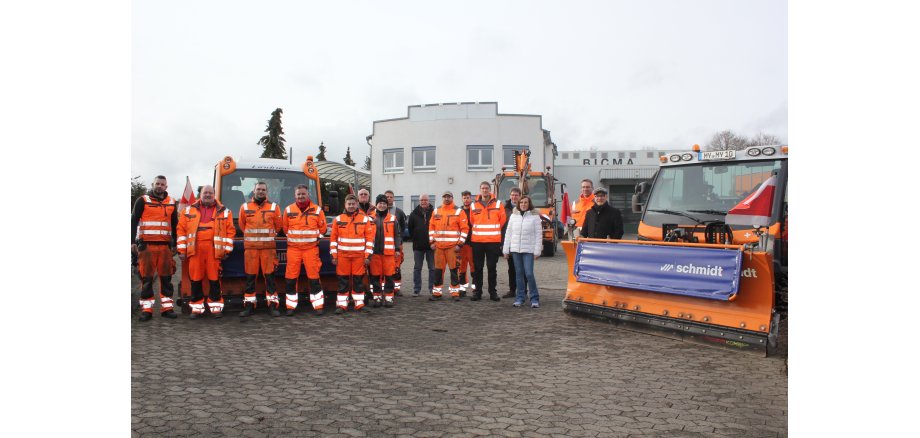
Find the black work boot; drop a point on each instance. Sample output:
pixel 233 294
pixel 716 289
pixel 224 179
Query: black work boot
pixel 510 294
pixel 247 310
pixel 494 296
pixel 476 296
pixel 275 311
pixel 146 316
pixel 169 314
pixel 194 316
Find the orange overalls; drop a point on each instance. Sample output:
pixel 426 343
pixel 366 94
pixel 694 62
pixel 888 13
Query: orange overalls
pixel 205 238
pixel 446 231
pixel 351 242
pixel 383 259
pixel 303 229
pixel 260 224
pixel 155 258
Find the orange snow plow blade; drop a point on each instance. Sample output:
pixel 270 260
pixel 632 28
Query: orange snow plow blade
pixel 659 301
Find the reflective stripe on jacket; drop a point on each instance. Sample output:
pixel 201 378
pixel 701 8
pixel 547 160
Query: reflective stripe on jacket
pixel 448 227
pixel 260 224
pixel 222 225
pixel 154 224
pixel 486 220
pixel 303 229
pixel 352 236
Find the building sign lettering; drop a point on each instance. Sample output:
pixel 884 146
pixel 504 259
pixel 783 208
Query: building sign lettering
pixel 606 162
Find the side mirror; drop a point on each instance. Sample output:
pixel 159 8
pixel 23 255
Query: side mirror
pixel 636 206
pixel 642 187
pixel 334 206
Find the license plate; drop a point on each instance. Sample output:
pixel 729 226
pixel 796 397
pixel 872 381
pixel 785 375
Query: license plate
pixel 717 155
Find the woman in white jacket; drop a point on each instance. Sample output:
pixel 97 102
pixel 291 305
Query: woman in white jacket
pixel 524 243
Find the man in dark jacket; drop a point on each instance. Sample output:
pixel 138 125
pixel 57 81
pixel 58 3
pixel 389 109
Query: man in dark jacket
pixel 418 231
pixel 512 275
pixel 401 220
pixel 602 221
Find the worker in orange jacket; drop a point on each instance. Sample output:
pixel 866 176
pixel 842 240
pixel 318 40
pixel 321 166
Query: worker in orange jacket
pixel 487 217
pixel 205 239
pixel 153 239
pixel 303 223
pixel 350 245
pixel 386 248
pixel 466 252
pixel 260 221
pixel 446 233
pixel 581 205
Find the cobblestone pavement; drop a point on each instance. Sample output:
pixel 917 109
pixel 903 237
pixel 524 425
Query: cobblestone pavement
pixel 426 369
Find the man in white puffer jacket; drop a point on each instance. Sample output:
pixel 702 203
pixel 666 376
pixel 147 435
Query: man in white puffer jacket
pixel 524 243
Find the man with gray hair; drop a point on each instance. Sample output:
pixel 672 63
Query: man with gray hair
pixel 419 220
pixel 364 201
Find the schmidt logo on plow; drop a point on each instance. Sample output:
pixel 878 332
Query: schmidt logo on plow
pixel 708 270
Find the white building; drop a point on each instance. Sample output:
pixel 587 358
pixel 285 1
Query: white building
pixel 451 146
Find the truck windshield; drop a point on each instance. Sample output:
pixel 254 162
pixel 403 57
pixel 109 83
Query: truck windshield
pixel 236 188
pixel 704 192
pixel 536 188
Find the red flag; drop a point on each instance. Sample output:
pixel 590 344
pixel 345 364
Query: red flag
pixel 756 209
pixel 188 196
pixel 566 209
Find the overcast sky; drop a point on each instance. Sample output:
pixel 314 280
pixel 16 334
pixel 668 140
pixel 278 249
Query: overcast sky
pixel 206 75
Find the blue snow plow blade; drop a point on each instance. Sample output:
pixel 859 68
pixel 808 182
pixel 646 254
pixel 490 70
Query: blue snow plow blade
pixel 712 273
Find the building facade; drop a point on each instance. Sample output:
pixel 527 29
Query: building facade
pixel 451 146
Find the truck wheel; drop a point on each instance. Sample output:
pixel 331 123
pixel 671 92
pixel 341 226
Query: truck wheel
pixel 549 248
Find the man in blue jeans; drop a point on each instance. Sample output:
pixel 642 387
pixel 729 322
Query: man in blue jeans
pixel 418 231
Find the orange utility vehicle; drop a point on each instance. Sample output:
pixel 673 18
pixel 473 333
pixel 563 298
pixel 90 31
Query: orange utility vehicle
pixel 691 275
pixel 540 187
pixel 233 184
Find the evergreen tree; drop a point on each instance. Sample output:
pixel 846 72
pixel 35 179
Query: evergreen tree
pixel 138 189
pixel 322 152
pixel 348 159
pixel 367 163
pixel 274 142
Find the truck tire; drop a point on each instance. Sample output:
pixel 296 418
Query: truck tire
pixel 549 248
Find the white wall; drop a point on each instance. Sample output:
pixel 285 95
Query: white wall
pixel 450 128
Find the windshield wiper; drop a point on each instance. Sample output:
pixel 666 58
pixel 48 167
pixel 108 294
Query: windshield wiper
pixel 723 213
pixel 679 213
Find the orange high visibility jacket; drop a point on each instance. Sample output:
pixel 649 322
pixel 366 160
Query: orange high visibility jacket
pixel 154 225
pixel 448 227
pixel 486 220
pixel 580 208
pixel 260 224
pixel 222 225
pixel 303 229
pixel 389 232
pixel 352 235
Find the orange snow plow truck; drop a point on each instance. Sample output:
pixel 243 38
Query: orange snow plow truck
pixel 711 249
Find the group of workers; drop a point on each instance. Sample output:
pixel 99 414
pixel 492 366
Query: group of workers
pixel 365 238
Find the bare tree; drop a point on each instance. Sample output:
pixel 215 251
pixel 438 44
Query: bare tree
pixel 763 139
pixel 725 140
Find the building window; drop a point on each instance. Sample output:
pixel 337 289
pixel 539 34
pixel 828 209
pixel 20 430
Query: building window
pixel 508 153
pixel 479 158
pixel 649 155
pixel 398 202
pixel 621 155
pixel 576 155
pixel 604 156
pixel 565 155
pixel 593 155
pixel 632 155
pixel 393 161
pixel 423 159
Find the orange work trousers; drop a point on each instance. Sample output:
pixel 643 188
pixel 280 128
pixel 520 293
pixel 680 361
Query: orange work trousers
pixel 308 257
pixel 383 265
pixel 350 266
pixel 466 258
pixel 203 264
pixel 260 258
pixel 445 257
pixel 156 261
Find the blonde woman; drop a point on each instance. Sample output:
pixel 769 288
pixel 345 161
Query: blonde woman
pixel 523 243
